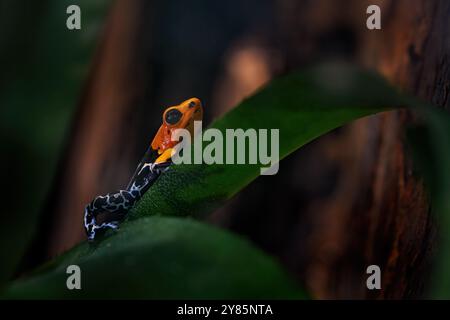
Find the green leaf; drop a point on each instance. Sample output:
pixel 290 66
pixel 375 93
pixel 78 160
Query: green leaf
pixel 162 257
pixel 430 142
pixel 45 65
pixel 303 106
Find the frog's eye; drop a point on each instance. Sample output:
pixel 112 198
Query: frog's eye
pixel 173 116
pixel 192 104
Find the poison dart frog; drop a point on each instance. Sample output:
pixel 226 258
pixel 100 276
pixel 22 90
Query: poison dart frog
pixel 157 159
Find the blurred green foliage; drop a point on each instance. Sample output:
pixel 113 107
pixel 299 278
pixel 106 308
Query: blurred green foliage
pixel 43 68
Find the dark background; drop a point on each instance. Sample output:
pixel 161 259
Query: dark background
pixel 345 201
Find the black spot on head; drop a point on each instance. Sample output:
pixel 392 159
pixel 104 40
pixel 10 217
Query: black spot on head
pixel 192 104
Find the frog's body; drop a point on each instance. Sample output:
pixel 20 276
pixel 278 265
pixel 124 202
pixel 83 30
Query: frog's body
pixel 156 160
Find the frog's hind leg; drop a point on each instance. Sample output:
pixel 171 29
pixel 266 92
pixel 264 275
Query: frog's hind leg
pixel 117 204
pixel 114 204
pixel 92 227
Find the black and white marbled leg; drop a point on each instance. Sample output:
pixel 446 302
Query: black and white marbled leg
pixel 117 204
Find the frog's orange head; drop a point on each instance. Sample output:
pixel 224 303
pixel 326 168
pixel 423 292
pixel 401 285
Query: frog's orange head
pixel 181 116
